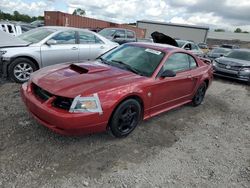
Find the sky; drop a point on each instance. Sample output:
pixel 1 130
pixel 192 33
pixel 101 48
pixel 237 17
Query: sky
pixel 226 14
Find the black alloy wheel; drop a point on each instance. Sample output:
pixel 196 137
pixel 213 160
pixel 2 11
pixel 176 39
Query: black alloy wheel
pixel 200 94
pixel 125 118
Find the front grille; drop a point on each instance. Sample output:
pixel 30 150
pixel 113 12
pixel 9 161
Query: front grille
pixel 59 102
pixel 227 74
pixel 62 102
pixel 41 93
pixel 235 68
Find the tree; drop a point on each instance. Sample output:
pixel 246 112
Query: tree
pixel 79 12
pixel 238 30
pixel 16 16
pixel 219 30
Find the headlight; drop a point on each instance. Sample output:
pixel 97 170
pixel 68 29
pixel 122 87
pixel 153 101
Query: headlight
pixel 245 69
pixel 214 62
pixel 2 52
pixel 86 104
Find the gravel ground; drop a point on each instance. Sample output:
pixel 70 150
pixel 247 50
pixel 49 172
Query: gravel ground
pixel 206 146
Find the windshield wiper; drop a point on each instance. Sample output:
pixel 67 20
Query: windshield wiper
pixel 128 67
pixel 104 61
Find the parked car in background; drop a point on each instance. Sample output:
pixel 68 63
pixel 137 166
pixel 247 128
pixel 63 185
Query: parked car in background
pixel 204 47
pixel 37 23
pixel 230 46
pixel 190 46
pixel 218 52
pixel 46 46
pixel 15 29
pixel 118 35
pixel 236 65
pixel 12 29
pixel 133 82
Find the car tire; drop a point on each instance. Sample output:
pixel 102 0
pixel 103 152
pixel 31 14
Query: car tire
pixel 20 69
pixel 125 118
pixel 199 95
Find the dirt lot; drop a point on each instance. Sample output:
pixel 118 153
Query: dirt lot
pixel 206 146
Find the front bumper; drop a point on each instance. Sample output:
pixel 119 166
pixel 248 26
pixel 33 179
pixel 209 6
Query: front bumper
pixel 238 75
pixel 59 120
pixel 3 68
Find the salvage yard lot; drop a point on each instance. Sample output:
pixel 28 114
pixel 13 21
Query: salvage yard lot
pixel 206 146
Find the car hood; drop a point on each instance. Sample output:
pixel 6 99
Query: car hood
pixel 233 62
pixel 7 40
pixel 86 78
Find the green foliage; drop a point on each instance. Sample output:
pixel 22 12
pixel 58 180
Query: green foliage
pixel 16 16
pixel 238 30
pixel 219 30
pixel 79 12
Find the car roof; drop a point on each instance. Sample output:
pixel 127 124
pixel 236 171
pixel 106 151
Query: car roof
pixel 186 41
pixel 62 28
pixel 155 46
pixel 241 49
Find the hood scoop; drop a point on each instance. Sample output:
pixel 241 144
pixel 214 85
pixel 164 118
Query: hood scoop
pixel 78 69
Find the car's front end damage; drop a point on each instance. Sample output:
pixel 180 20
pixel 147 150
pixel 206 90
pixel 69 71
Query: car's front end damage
pixel 61 114
pixel 230 69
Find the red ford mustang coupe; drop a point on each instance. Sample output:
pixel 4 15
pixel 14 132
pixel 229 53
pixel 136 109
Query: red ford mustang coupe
pixel 131 83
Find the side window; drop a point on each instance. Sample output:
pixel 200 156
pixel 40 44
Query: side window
pixel 120 33
pixel 187 46
pixel 194 47
pixel 10 29
pixel 192 61
pixel 130 34
pixel 88 38
pixel 177 62
pixel 65 37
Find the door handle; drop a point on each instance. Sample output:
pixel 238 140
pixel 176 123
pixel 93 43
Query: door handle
pixel 102 47
pixel 74 48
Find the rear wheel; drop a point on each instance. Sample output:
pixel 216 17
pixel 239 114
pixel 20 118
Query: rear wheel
pixel 125 118
pixel 20 69
pixel 200 94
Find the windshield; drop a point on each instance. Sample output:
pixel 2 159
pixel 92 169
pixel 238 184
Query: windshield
pixel 36 35
pixel 180 43
pixel 221 50
pixel 242 55
pixel 107 32
pixel 140 60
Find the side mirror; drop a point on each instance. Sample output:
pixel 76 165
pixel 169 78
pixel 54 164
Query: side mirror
pixel 168 73
pixel 51 42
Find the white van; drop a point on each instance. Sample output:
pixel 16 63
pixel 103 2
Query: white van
pixel 12 29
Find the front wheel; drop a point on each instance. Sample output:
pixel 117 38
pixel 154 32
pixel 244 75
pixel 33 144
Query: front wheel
pixel 125 118
pixel 20 69
pixel 199 95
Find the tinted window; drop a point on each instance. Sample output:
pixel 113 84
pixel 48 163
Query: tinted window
pixel 36 35
pixel 194 46
pixel 130 34
pixel 107 32
pixel 177 62
pixel 243 55
pixel 10 29
pixel 120 33
pixel 192 62
pixel 66 37
pixel 88 38
pixel 144 60
pixel 180 62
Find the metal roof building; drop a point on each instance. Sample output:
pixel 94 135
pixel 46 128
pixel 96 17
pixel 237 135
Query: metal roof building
pixel 229 36
pixel 180 31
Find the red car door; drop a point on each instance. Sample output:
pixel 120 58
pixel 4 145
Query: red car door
pixel 171 91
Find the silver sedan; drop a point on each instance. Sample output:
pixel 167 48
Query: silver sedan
pixel 45 46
